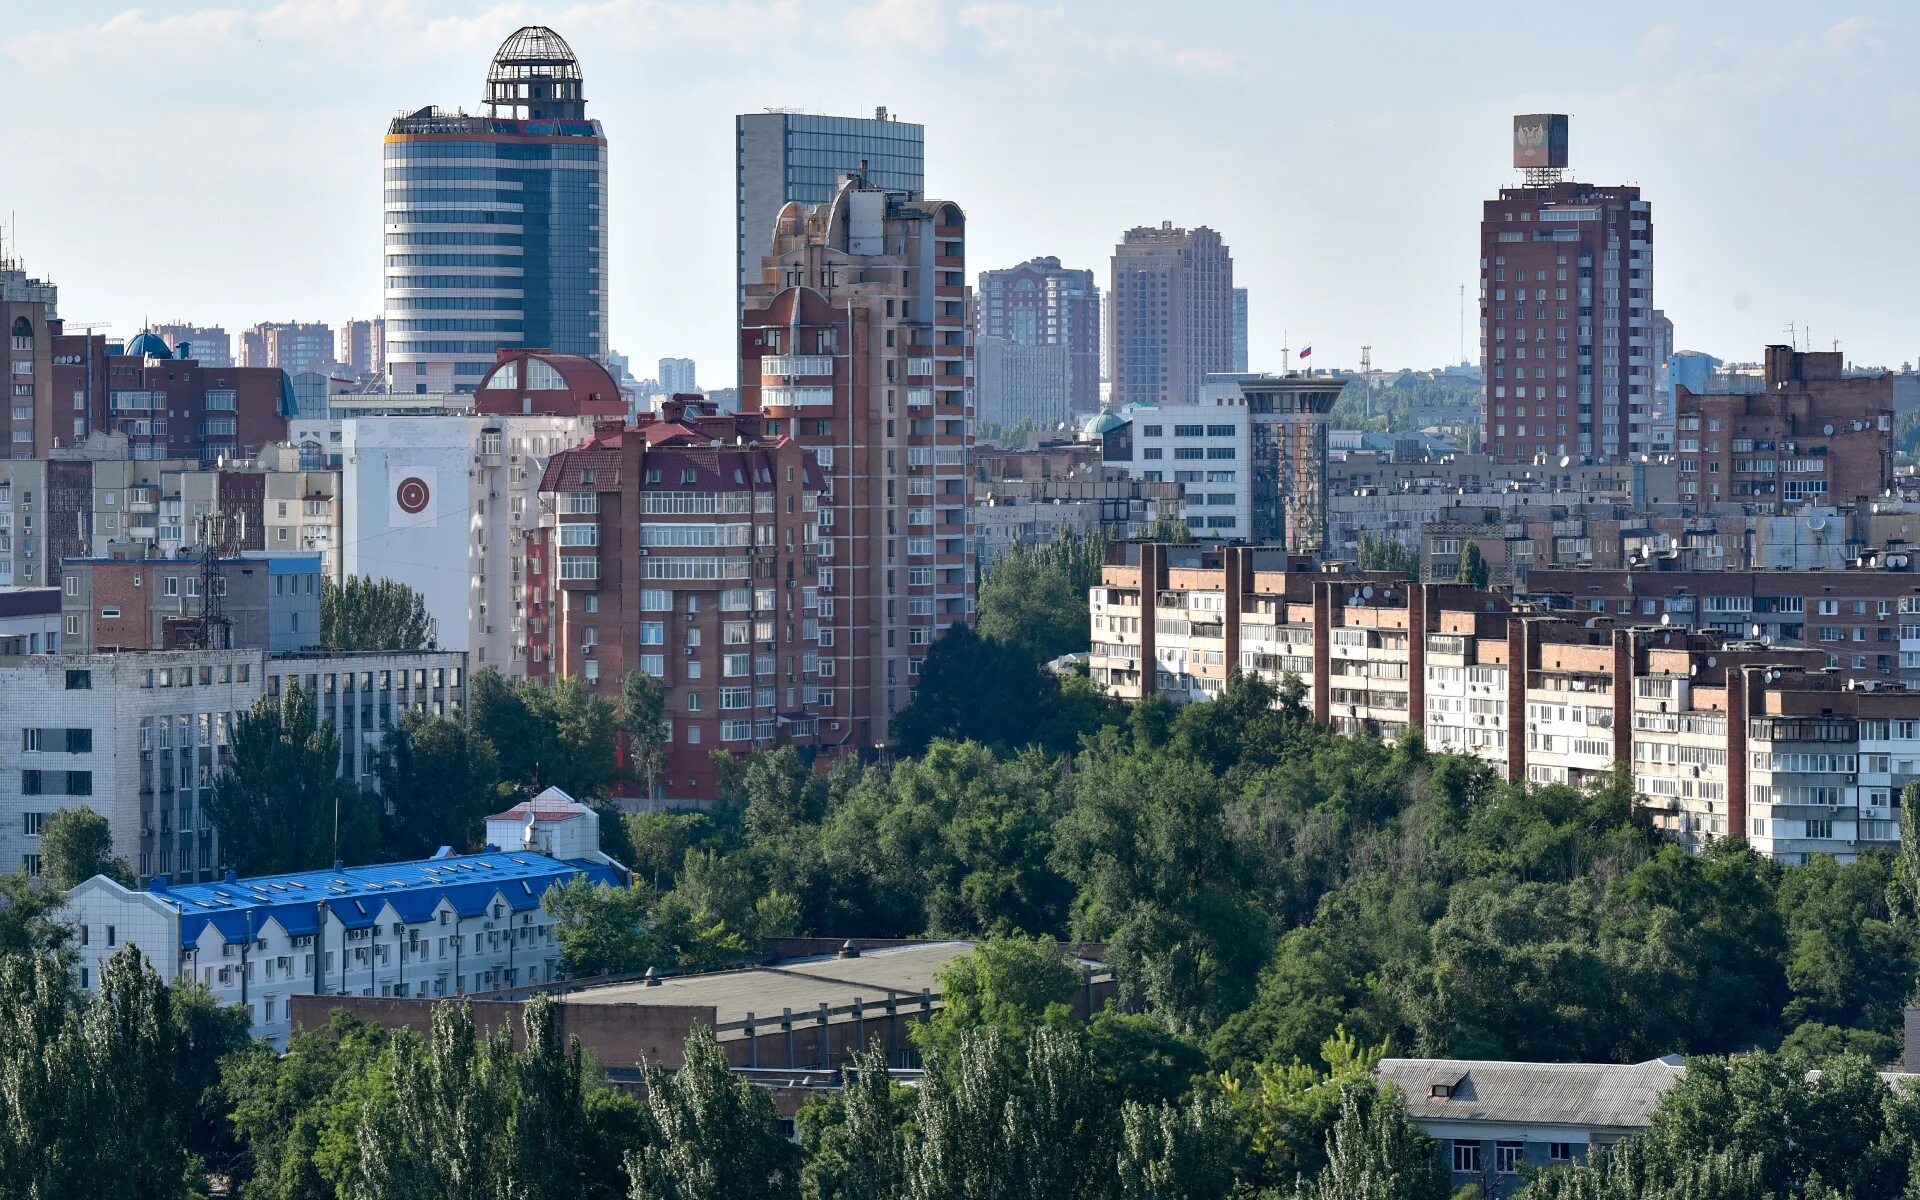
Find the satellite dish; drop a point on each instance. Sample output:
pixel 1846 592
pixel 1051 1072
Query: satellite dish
pixel 1713 660
pixel 1366 593
pixel 1827 429
pixel 1565 462
pixel 1666 618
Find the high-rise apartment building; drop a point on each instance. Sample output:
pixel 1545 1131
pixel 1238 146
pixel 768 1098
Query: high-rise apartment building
pixel 496 224
pixel 1041 303
pixel 363 346
pixel 686 546
pixel 856 343
pixel 677 376
pixel 208 345
pixel 781 156
pixel 1172 297
pixel 1566 311
pixel 293 346
pixel 1019 382
pixel 30 314
pixel 1240 330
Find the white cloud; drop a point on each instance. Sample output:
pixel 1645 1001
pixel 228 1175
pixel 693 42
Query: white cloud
pixel 916 25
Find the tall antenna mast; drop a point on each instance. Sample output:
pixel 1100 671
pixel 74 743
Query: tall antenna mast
pixel 218 543
pixel 1366 373
pixel 1463 322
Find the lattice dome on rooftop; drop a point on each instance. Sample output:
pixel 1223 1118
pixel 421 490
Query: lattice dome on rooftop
pixel 535 74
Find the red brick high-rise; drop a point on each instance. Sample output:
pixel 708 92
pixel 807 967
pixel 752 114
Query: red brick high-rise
pixel 1566 314
pixel 686 548
pixel 856 343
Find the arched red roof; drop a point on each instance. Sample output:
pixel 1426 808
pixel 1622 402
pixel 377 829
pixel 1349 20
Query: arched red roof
pixel 542 383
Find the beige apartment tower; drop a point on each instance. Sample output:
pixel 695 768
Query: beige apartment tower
pixel 1172 314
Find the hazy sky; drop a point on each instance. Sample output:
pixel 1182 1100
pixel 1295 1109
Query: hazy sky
pixel 220 162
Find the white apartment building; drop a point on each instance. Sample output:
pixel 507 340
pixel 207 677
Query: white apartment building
pixel 1204 447
pixel 452 925
pixel 445 503
pixel 139 737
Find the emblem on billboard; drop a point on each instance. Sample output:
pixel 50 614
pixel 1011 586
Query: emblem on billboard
pixel 413 495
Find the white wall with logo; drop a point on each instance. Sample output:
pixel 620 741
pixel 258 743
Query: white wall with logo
pixel 407 511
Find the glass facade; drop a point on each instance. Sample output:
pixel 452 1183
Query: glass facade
pixel 780 157
pixel 502 222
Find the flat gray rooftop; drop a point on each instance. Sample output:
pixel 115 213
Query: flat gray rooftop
pixel 802 985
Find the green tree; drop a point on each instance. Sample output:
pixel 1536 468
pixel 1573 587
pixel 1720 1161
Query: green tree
pixel 1375 1153
pixel 602 929
pixel 1630 1171
pixel 370 614
pixel 961 667
pixel 1473 566
pixel 1025 1122
pixel 1175 1153
pixel 75 845
pixel 643 718
pixel 855 1143
pixel 469 1117
pixel 279 802
pixel 438 781
pixel 87 1099
pixel 1286 1111
pixel 30 922
pixel 1013 984
pixel 1384 552
pixel 1165 883
pixel 717 1134
pixel 1029 601
pixel 546 735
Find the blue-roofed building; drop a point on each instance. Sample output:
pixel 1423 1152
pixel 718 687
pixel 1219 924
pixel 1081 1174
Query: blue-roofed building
pixel 451 925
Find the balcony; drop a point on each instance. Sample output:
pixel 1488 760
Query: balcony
pixel 791 365
pixel 920 366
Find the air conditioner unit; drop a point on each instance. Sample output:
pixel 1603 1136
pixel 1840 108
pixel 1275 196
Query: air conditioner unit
pixel 690 650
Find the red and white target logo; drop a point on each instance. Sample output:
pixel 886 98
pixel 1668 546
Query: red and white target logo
pixel 412 495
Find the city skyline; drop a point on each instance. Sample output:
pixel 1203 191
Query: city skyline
pixel 1353 223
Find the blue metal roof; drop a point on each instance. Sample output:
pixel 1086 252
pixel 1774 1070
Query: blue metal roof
pixel 355 896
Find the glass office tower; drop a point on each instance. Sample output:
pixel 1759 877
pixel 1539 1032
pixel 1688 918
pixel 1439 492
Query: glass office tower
pixel 496 224
pixel 781 156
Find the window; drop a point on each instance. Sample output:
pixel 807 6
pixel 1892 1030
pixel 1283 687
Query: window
pixel 1559 1152
pixel 1466 1158
pixel 1507 1157
pixel 79 681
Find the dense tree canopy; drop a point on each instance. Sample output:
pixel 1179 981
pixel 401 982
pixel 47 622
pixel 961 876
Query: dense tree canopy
pixel 75 845
pixel 279 802
pixel 1281 905
pixel 373 614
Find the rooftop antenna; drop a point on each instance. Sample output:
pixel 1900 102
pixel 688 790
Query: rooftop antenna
pixel 1792 337
pixel 1463 322
pixel 1366 373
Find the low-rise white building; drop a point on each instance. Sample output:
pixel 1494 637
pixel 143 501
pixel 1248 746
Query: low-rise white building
pixel 1204 447
pixel 452 925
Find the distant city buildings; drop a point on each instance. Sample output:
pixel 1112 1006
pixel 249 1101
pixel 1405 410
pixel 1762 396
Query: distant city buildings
pixel 292 346
pixel 496 224
pixel 783 155
pixel 1566 311
pixel 1039 304
pixel 859 350
pixel 1172 297
pixel 1240 331
pixel 677 376
pixel 208 345
pixel 1019 382
pixel 167 407
pixel 363 346
pixel 1813 433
